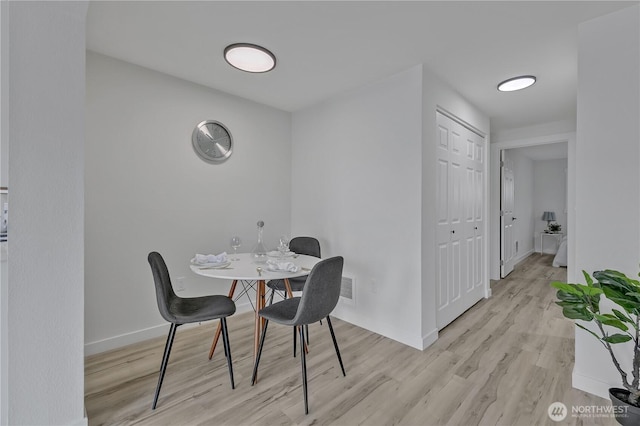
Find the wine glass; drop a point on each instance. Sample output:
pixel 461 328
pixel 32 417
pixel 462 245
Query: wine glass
pixel 235 243
pixel 283 246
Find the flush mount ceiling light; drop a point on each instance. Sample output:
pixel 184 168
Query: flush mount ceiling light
pixel 249 57
pixel 516 83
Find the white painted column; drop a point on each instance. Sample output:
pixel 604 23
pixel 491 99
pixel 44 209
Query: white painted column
pixel 607 229
pixel 44 370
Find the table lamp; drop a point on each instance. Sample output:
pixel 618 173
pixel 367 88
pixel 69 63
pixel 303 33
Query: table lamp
pixel 549 217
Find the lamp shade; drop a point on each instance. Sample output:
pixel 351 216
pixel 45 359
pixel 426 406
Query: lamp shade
pixel 549 216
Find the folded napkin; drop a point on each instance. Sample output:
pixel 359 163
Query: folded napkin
pixel 276 253
pixel 202 259
pixel 274 265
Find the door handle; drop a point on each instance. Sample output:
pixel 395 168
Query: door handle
pixel 514 218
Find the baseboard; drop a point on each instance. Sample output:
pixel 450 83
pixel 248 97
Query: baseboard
pixel 429 338
pixel 125 339
pixel 393 333
pixel 81 422
pixel 590 385
pixel 524 256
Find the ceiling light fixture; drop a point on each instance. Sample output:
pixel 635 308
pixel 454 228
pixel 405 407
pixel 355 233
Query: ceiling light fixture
pixel 516 83
pixel 249 57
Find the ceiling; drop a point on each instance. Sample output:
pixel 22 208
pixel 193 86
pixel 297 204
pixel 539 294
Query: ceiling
pixel 325 48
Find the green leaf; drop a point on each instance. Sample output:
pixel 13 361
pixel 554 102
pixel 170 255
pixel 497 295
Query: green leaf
pixel 628 304
pixel 576 305
pixel 622 317
pixel 634 294
pixel 617 280
pixel 581 314
pixel 611 321
pixel 587 278
pixel 617 338
pixel 567 297
pixel 591 291
pixel 567 288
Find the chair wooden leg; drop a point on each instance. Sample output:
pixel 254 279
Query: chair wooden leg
pixel 165 361
pixel 227 349
pixel 335 345
pixel 255 367
pixel 303 361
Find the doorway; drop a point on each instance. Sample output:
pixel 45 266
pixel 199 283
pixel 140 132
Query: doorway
pixel 508 240
pixel 533 182
pixel 529 199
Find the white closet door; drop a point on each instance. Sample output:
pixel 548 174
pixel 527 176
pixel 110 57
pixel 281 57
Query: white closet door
pixel 460 221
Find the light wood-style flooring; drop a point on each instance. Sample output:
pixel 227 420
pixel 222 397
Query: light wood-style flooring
pixel 502 363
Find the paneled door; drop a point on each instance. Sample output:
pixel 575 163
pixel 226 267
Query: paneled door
pixel 507 220
pixel 460 219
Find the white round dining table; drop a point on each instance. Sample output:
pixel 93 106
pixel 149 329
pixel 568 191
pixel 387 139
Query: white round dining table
pixel 245 269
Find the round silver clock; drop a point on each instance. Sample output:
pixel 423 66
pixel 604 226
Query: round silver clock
pixel 212 141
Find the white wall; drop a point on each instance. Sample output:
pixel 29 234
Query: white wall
pixel 523 179
pixel 45 365
pixel 438 95
pixel 607 174
pixel 4 181
pixel 147 190
pixel 549 194
pixel 356 186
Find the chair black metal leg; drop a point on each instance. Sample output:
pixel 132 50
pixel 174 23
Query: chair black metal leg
pixel 227 349
pixel 255 367
pixel 306 331
pixel 165 361
pixel 273 291
pixel 166 344
pixel 295 338
pixel 335 345
pixel 303 360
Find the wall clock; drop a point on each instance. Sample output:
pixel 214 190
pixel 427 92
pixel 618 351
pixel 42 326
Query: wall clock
pixel 212 141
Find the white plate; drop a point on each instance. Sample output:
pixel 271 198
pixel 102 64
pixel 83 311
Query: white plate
pixel 211 265
pixel 276 253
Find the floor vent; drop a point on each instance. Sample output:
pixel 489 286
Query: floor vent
pixel 346 290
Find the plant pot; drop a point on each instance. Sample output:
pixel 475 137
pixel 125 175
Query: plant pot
pixel 624 413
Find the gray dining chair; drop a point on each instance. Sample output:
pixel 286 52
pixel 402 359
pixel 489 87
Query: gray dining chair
pixel 301 245
pixel 183 310
pixel 318 300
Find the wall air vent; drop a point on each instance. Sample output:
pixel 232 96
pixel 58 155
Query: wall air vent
pixel 346 290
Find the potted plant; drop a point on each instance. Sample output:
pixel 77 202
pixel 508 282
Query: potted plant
pixel 582 302
pixel 555 227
